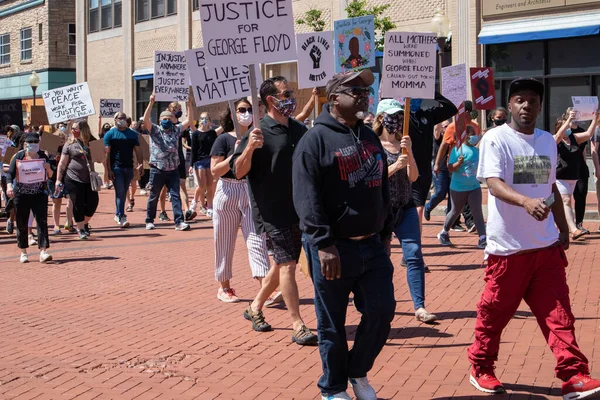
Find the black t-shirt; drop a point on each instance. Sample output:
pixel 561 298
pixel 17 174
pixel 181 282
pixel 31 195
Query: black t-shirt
pixel 202 143
pixel 223 147
pixel 569 159
pixel 185 134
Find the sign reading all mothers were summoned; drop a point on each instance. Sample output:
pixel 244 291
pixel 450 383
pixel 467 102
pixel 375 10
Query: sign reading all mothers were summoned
pixel 409 65
pixel 68 103
pixel 247 31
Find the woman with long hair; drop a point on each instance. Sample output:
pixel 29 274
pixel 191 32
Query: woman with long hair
pixel 203 139
pixel 58 196
pixel 74 168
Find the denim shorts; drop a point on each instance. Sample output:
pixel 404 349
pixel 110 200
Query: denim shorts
pixel 202 164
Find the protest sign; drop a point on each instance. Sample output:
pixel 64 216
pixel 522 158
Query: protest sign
pixel 454 83
pixel 9 153
pixel 31 171
pixel 355 43
pixel 109 107
pixel 68 103
pixel 483 89
pixel 3 145
pixel 374 94
pixel 39 116
pixel 315 59
pixel 584 107
pixel 50 143
pixel 409 65
pixel 145 145
pixel 460 125
pixel 171 81
pixel 97 150
pixel 11 113
pixel 249 32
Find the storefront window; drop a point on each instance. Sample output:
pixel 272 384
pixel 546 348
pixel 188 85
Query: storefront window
pixel 559 92
pixel 573 55
pixel 516 59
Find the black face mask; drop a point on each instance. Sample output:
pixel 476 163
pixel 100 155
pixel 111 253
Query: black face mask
pixel 369 124
pixel 499 122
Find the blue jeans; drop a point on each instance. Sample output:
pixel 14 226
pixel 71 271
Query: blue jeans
pixel 158 179
pixel 441 187
pixel 367 272
pixel 408 232
pixel 123 177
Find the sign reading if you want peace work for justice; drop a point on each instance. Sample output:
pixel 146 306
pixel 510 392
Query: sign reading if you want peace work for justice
pixel 409 65
pixel 171 81
pixel 68 103
pixel 248 31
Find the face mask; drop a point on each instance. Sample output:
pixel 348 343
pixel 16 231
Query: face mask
pixel 473 140
pixel 245 119
pixel 568 132
pixel 415 105
pixel 499 122
pixel 62 129
pixel 286 107
pixel 166 124
pixel 32 147
pixel 391 123
pixel 121 123
pixel 76 133
pixel 178 114
pixel 204 121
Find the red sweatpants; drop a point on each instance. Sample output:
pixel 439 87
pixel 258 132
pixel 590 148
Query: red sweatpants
pixel 540 278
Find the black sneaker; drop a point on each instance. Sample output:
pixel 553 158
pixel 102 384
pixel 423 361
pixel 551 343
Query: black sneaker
pixel 444 239
pixel 426 213
pixel 582 229
pixel 10 227
pixel 258 320
pixel 482 243
pixel 458 228
pixel 82 235
pixel 190 215
pixel 87 229
pixel 403 263
pixel 163 216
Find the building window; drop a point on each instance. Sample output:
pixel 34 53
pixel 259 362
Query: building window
pixel 196 4
pixel 26 44
pixel 150 9
pixel 104 14
pixel 40 33
pixel 5 49
pixel 72 40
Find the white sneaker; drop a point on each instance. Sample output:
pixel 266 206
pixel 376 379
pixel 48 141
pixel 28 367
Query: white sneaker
pixel 32 240
pixel 143 192
pixel 45 256
pixel 117 220
pixel 340 396
pixel 149 226
pixel 182 226
pixel 124 222
pixel 24 259
pixel 209 213
pixel 193 206
pixel 362 389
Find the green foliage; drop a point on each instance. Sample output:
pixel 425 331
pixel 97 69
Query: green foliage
pixel 312 18
pixel 360 8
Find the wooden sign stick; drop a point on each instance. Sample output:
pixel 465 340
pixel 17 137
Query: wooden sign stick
pixel 406 126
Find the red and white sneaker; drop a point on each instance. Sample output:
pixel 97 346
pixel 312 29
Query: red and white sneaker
pixel 580 386
pixel 227 295
pixel 484 379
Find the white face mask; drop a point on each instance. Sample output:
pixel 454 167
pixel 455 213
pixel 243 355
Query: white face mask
pixel 32 147
pixel 245 119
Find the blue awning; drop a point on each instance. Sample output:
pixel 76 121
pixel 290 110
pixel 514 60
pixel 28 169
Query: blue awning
pixel 541 28
pixel 143 73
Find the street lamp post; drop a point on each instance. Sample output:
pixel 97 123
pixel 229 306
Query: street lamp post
pixel 440 25
pixel 34 82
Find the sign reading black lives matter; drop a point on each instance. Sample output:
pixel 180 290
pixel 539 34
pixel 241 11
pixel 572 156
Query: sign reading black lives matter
pixel 247 31
pixel 409 65
pixel 11 113
pixel 215 84
pixel 315 59
pixel 68 103
pixel 109 107
pixel 171 81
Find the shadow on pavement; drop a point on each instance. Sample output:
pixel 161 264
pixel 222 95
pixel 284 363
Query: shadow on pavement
pixel 406 333
pixel 512 396
pixel 130 235
pixel 83 259
pixel 515 387
pixel 445 253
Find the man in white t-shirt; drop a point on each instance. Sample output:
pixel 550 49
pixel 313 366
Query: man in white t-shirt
pixel 526 258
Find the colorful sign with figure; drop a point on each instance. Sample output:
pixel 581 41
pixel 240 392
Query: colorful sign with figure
pixel 483 89
pixel 315 59
pixel 355 43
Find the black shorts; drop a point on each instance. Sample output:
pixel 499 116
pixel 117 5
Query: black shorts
pixel 285 244
pixel 420 189
pixel 182 171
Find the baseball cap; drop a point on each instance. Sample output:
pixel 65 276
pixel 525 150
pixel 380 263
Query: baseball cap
pixel 31 138
pixel 389 106
pixel 344 77
pixel 521 84
pixel 166 114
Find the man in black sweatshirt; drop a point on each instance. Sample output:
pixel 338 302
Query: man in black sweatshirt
pixel 340 186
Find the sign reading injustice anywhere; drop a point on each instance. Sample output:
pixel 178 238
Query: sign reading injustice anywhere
pixel 355 43
pixel 584 107
pixel 109 107
pixel 68 103
pixel 454 83
pixel 483 89
pixel 171 81
pixel 315 59
pixel 409 65
pixel 11 113
pixel 247 31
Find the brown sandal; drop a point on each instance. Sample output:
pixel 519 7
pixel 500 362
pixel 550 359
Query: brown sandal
pixel 304 337
pixel 258 320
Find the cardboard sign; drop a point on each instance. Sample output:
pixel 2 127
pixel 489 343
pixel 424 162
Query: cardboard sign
pixel 4 142
pixel 482 88
pixel 409 65
pixel 9 153
pixel 50 143
pixel 315 59
pixel 31 171
pixel 11 113
pixel 145 145
pixel 374 94
pixel 454 83
pixel 109 107
pixel 460 125
pixel 68 103
pixel 97 151
pixel 171 81
pixel 39 116
pixel 584 107
pixel 251 32
pixel 355 43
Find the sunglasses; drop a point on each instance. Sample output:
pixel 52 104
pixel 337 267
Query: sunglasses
pixel 286 93
pixel 356 91
pixel 244 110
pixel 33 141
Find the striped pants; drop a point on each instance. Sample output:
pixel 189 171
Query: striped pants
pixel 231 207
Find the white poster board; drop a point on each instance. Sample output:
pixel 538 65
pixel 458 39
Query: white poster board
pixel 454 83
pixel 236 33
pixel 171 81
pixel 109 107
pixel 584 107
pixel 68 103
pixel 31 171
pixel 3 145
pixel 409 65
pixel 315 59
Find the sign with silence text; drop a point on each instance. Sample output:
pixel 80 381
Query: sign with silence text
pixel 409 65
pixel 315 59
pixel 109 107
pixel 11 113
pixel 68 103
pixel 483 89
pixel 355 43
pixel 454 83
pixel 584 107
pixel 171 81
pixel 247 31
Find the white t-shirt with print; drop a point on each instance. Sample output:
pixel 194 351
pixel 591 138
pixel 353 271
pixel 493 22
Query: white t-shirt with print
pixel 526 163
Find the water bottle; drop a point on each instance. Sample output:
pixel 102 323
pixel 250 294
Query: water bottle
pixel 191 182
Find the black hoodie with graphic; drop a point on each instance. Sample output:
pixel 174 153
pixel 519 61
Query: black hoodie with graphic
pixel 340 182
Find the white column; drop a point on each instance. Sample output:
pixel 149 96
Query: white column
pixel 129 87
pixel 81 41
pixel 461 41
pixel 184 12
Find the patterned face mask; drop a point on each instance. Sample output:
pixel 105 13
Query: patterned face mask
pixel 286 107
pixel 392 123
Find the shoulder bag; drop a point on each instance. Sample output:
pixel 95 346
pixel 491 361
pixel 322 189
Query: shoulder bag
pixel 95 180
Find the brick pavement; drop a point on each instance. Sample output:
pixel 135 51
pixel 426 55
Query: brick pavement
pixel 133 314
